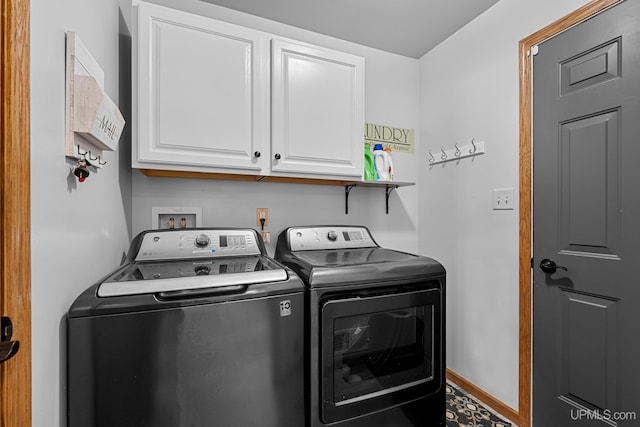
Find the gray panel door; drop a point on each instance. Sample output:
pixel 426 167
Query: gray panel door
pixel 586 151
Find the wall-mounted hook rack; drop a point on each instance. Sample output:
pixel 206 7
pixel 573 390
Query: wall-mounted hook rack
pixel 389 186
pixel 458 152
pixel 93 122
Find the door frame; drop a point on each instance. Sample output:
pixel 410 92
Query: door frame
pixel 15 208
pixel 526 203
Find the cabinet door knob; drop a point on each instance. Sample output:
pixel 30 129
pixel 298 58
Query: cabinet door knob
pixel 256 154
pixel 277 156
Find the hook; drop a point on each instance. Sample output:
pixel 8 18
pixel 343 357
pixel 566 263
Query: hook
pixel 101 162
pixel 458 152
pixel 431 158
pixel 443 156
pixel 474 149
pixel 81 153
pixel 91 156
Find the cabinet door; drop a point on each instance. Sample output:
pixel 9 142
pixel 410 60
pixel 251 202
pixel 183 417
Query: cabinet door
pixel 317 110
pixel 202 93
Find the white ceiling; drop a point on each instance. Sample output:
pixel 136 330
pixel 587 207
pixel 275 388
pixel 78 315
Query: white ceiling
pixel 406 27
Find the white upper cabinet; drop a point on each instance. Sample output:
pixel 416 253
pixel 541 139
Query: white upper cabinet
pixel 215 97
pixel 202 93
pixel 317 121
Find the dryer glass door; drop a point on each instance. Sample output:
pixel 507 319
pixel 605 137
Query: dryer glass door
pixel 379 351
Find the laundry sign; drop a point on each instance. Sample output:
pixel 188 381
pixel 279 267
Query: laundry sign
pixel 398 139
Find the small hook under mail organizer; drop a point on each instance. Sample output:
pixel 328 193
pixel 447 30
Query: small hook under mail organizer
pixel 93 121
pixel 457 152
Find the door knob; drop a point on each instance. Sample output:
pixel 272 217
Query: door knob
pixel 8 348
pixel 549 266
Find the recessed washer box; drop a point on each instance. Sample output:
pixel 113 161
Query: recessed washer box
pixel 175 217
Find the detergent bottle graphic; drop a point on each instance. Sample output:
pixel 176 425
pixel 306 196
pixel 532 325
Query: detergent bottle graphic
pixel 369 166
pixel 383 163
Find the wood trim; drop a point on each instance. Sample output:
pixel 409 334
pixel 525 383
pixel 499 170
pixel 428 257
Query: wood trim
pixel 486 398
pixel 261 178
pixel 15 210
pixel 197 175
pixel 525 120
pixel 524 271
pixel 312 181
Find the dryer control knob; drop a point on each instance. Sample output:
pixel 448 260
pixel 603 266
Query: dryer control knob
pixel 332 236
pixel 202 241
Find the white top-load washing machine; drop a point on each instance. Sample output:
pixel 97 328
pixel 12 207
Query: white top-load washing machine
pixel 198 327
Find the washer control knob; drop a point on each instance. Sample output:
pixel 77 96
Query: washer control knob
pixel 202 241
pixel 202 270
pixel 332 236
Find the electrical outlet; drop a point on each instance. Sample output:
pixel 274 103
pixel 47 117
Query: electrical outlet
pixel 503 199
pixel 262 213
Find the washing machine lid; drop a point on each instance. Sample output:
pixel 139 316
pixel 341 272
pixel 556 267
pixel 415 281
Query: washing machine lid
pixel 162 261
pixel 153 277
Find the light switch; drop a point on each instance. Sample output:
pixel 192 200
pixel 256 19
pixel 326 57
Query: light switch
pixel 503 199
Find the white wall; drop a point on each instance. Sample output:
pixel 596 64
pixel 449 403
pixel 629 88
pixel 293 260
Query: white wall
pixel 79 230
pixel 469 89
pixel 391 99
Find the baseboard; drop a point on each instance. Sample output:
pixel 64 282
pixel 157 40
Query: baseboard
pixel 495 404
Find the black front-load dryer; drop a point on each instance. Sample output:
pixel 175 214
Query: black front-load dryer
pixel 375 330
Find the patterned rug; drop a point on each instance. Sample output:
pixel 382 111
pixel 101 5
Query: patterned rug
pixel 463 411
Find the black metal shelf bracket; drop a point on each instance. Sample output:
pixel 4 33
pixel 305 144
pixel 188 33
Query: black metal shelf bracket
pixel 347 190
pixel 388 191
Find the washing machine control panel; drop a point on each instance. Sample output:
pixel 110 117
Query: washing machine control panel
pixel 329 237
pixel 197 243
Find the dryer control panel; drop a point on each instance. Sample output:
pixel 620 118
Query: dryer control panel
pixel 329 237
pixel 197 243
